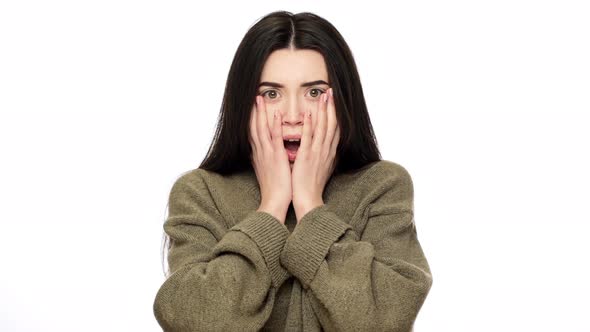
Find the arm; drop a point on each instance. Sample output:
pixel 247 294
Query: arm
pixel 377 282
pixel 221 279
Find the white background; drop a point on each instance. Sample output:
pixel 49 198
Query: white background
pixel 104 103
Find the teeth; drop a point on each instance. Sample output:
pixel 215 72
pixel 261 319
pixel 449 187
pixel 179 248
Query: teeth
pixel 293 140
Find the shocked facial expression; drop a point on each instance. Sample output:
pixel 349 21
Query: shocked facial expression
pixel 291 83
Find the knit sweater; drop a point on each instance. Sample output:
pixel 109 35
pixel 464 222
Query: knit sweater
pixel 352 264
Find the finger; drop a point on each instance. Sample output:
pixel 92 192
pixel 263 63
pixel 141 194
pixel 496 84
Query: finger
pixel 262 125
pixel 305 142
pixel 320 131
pixel 253 132
pixel 314 116
pixel 335 141
pixel 331 121
pixel 277 132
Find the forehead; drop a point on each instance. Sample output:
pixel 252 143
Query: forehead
pixel 291 67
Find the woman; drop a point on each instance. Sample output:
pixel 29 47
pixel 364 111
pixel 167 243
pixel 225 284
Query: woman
pixel 274 235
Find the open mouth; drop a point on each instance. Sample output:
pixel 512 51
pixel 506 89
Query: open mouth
pixel 292 145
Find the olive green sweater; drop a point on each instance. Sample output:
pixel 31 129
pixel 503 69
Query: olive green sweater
pixel 352 264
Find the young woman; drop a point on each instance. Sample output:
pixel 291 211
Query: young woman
pixel 317 234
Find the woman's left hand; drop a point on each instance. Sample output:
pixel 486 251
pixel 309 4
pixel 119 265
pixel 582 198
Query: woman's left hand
pixel 315 159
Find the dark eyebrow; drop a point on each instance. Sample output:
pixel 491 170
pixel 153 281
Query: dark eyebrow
pixel 278 85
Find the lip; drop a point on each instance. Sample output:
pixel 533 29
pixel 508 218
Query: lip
pixel 286 137
pixel 292 155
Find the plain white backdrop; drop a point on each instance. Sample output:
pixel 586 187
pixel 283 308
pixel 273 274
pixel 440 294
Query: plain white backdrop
pixel 103 104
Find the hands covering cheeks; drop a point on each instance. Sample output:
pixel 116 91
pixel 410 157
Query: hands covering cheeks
pixel 316 159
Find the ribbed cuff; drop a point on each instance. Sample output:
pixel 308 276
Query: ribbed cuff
pixel 270 236
pixel 308 245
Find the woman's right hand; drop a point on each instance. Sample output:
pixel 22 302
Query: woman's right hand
pixel 270 162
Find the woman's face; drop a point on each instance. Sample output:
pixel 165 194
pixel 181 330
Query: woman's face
pixel 291 83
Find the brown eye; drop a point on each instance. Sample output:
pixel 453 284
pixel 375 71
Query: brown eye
pixel 317 93
pixel 269 92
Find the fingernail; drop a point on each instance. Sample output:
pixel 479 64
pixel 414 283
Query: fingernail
pixel 331 92
pixel 325 97
pixel 257 100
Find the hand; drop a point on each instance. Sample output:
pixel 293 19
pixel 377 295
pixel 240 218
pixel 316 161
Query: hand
pixel 316 159
pixel 270 161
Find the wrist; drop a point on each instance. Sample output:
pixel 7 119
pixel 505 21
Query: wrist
pixel 303 208
pixel 278 213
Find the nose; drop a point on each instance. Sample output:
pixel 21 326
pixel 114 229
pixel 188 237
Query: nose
pixel 293 112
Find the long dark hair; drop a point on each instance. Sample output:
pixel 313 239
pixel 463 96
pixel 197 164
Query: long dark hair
pixel 230 149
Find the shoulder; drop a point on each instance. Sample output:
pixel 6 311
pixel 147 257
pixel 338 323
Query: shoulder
pixel 226 192
pixel 377 180
pixel 393 190
pixel 192 176
pixel 380 187
pixel 198 176
pixel 390 169
pixel 192 182
pixel 373 176
pixel 384 174
pixel 388 182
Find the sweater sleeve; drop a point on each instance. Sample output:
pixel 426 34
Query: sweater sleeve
pixel 220 279
pixel 377 282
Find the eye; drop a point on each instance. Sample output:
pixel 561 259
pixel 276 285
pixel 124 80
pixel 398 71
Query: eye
pixel 267 92
pixel 317 94
pixel 272 94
